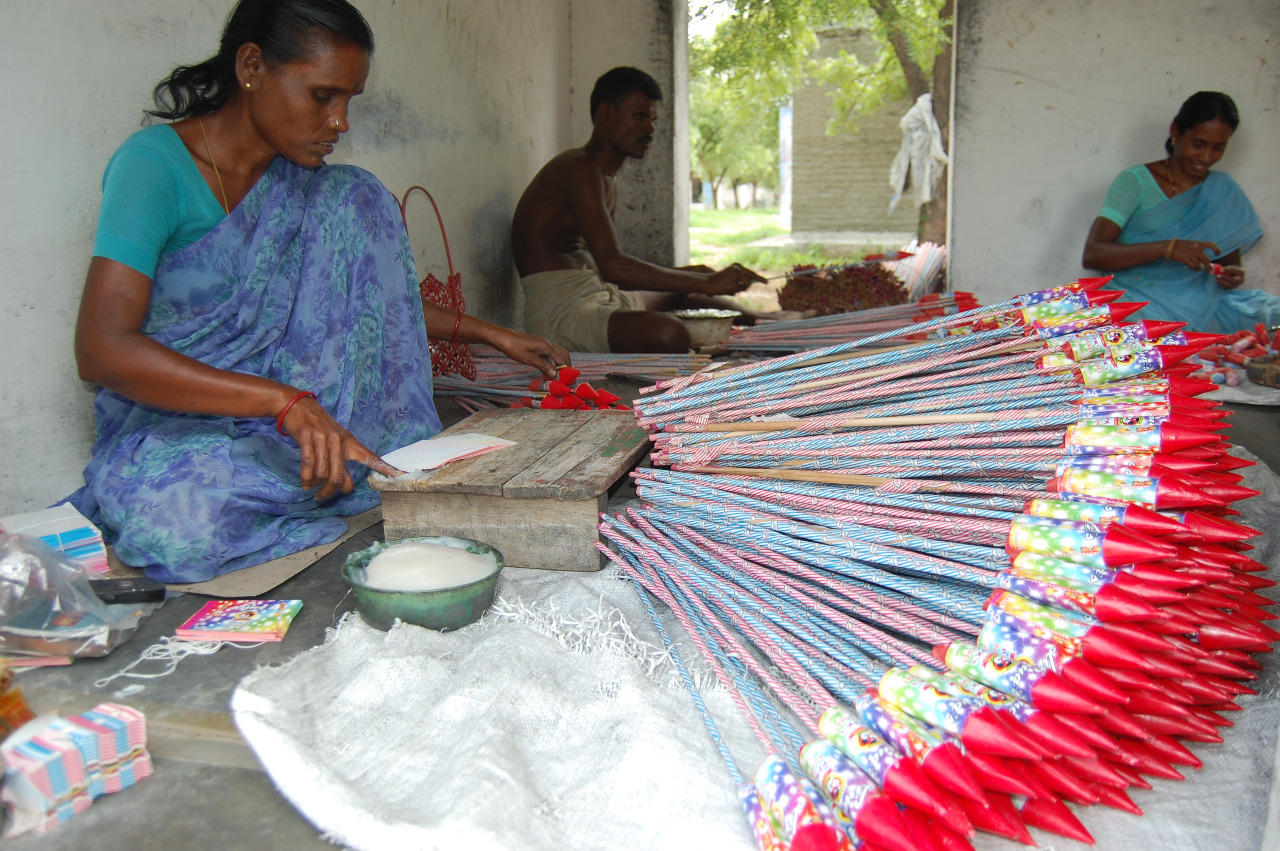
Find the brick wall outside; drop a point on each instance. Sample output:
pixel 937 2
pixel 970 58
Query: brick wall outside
pixel 841 182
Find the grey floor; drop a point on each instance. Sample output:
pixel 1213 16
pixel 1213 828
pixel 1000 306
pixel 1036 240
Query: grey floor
pixel 208 790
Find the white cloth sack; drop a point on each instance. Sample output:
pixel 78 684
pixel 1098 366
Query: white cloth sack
pixel 920 156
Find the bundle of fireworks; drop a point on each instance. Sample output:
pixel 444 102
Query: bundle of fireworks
pixel 978 583
pixel 502 382
pixel 800 334
pixel 842 288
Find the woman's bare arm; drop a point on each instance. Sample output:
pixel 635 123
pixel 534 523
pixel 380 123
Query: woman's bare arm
pixel 112 351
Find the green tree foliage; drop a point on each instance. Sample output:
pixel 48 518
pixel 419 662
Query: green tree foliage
pixel 762 50
pixel 733 135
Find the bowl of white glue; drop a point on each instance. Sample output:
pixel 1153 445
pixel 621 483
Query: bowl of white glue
pixel 437 582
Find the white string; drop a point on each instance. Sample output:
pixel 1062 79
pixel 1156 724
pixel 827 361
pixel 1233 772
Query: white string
pixel 171 651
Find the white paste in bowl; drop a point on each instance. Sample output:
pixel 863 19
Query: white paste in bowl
pixel 416 566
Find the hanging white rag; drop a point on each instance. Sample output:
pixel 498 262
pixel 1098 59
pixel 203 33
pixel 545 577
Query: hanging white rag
pixel 921 155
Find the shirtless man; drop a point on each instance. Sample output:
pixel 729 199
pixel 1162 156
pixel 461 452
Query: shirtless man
pixel 581 290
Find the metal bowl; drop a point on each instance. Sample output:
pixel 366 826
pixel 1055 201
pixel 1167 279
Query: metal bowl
pixel 440 609
pixel 707 326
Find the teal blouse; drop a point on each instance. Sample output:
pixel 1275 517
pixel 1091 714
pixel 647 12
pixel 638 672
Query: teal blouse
pixel 154 201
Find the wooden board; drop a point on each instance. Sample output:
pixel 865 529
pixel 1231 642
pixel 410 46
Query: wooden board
pixel 538 502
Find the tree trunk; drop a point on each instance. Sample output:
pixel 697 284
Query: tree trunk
pixel 934 227
pixel 917 82
pixel 716 183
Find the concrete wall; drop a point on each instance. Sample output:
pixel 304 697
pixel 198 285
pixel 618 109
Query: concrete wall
pixel 840 182
pixel 653 208
pixel 1056 97
pixel 468 97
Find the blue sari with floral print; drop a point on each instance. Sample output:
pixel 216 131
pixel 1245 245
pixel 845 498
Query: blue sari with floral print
pixel 309 281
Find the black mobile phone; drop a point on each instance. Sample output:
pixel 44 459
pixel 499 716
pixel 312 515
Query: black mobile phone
pixel 140 590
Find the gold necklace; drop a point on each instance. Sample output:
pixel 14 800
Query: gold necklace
pixel 1168 175
pixel 226 207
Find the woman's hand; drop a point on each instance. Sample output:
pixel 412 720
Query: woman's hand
pixel 326 447
pixel 1230 277
pixel 541 354
pixel 1191 253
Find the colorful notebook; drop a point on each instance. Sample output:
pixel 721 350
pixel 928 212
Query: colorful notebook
pixel 240 620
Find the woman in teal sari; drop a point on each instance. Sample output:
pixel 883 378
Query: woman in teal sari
pixel 252 313
pixel 1173 231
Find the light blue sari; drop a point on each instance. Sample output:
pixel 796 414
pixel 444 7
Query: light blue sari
pixel 310 282
pixel 1216 211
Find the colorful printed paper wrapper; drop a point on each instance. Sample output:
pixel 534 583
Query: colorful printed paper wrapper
pixel 1114 486
pixel 926 702
pixel 794 803
pixel 1071 540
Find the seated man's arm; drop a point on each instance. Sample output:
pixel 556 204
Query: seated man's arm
pixel 587 198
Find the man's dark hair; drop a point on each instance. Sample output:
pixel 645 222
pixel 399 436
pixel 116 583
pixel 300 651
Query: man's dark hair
pixel 615 86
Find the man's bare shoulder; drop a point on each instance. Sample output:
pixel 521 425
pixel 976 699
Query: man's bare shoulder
pixel 564 169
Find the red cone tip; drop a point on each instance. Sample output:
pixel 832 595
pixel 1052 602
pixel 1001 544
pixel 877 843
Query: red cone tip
pixel 1181 369
pixel 1100 648
pixel 1093 771
pixel 984 732
pixel 1124 309
pixel 1151 763
pixel 1063 782
pixel 1057 736
pixel 818 836
pixel 1094 283
pixel 1215 636
pixel 1113 604
pixel 907 784
pixel 879 821
pixel 1136 518
pixel 1089 730
pixel 1230 493
pixel 1151 592
pixel 1053 693
pixel 1121 545
pixel 1116 799
pixel 1217 530
pixel 940 652
pixel 1100 297
pixel 1138 637
pixel 1009 777
pixel 1201 428
pixel 1084 676
pixel 1172 492
pixel 1156 328
pixel 929 835
pixel 1163 575
pixel 947 767
pixel 1188 386
pixel 1170 355
pixel 1231 462
pixel 568 374
pixel 991 820
pixel 1054 817
pixel 1173 752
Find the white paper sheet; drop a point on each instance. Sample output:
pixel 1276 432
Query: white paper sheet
pixel 438 451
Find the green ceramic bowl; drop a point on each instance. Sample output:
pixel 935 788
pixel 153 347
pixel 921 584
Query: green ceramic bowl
pixel 442 609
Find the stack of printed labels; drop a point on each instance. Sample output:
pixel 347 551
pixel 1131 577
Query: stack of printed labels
pixel 66 530
pixel 54 769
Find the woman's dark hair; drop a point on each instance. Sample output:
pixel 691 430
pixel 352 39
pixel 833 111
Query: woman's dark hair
pixel 1202 107
pixel 617 85
pixel 286 30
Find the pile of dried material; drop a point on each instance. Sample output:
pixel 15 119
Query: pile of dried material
pixel 840 289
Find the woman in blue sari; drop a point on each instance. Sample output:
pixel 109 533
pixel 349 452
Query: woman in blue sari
pixel 1173 231
pixel 251 313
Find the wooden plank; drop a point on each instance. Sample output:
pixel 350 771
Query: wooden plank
pixel 495 423
pixel 586 464
pixel 611 461
pixel 537 435
pixel 549 534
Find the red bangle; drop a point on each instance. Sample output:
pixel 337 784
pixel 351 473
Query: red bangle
pixel 457 323
pixel 287 408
